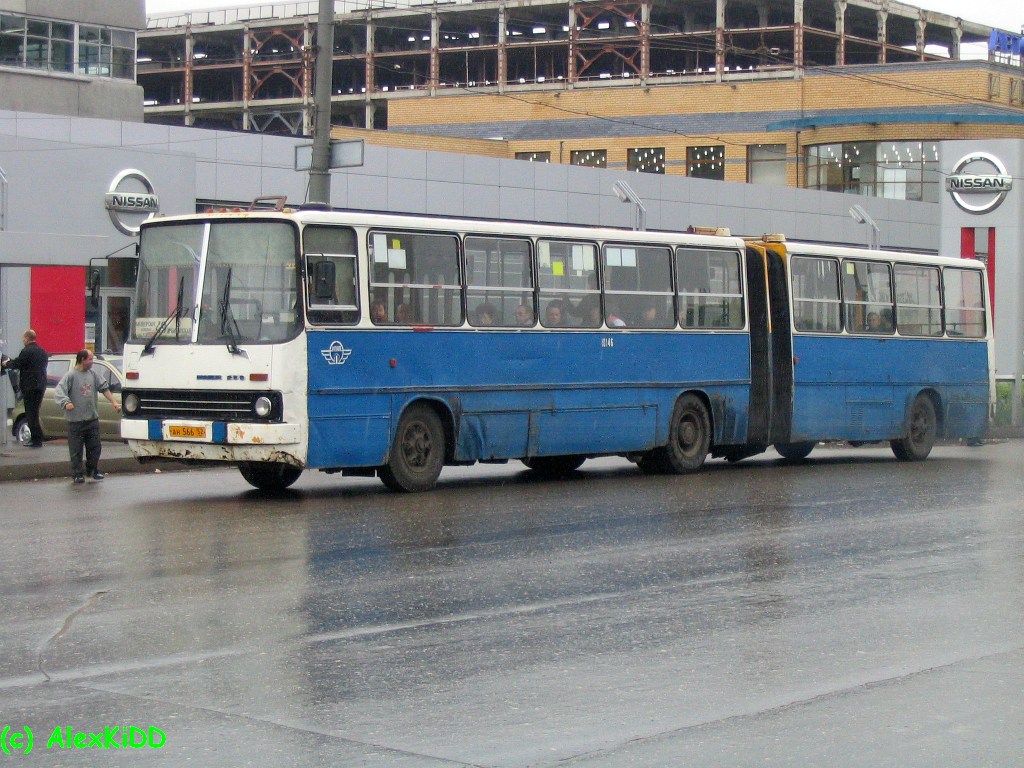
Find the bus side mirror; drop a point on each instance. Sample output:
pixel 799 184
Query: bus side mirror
pixel 323 280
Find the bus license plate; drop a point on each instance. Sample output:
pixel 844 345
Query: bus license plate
pixel 193 433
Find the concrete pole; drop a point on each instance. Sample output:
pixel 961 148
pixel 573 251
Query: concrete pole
pixel 319 171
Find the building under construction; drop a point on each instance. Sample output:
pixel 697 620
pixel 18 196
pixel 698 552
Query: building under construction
pixel 252 67
pixel 776 91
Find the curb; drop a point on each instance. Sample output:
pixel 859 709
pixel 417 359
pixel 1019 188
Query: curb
pixel 119 465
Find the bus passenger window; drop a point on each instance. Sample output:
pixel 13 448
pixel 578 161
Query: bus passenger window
pixel 638 287
pixel 867 293
pixel 330 281
pixel 417 276
pixel 918 300
pixel 709 289
pixel 568 281
pixel 499 281
pixel 816 305
pixel 964 300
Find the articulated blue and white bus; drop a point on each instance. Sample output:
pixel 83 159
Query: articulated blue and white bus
pixel 394 345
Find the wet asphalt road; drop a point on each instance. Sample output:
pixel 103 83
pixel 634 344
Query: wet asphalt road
pixel 850 611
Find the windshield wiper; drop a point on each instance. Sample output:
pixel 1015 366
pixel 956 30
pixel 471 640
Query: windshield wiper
pixel 228 324
pixel 175 316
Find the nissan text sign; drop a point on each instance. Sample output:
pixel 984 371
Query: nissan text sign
pixel 129 207
pixel 980 190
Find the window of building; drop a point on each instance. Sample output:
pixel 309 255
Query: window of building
pixel 646 160
pixel 900 170
pixel 499 281
pixel 638 287
pixel 706 162
pixel 50 45
pixel 534 157
pixel 766 164
pixel 591 158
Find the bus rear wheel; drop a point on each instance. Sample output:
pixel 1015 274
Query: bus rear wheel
pixel 794 451
pixel 689 440
pixel 267 476
pixel 417 455
pixel 921 430
pixel 554 466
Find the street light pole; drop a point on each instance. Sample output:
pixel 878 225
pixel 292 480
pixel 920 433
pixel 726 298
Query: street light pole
pixel 626 194
pixel 861 217
pixel 319 169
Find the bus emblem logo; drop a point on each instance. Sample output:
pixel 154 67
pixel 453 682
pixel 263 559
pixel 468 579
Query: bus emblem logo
pixel 336 354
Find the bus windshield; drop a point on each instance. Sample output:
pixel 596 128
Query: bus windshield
pixel 245 270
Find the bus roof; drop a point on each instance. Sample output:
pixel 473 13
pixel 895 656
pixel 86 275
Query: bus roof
pixel 477 226
pixel 797 248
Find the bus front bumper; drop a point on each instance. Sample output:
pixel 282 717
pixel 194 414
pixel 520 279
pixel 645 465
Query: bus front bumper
pixel 203 441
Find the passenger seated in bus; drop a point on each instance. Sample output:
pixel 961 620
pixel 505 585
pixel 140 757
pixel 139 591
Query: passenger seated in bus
pixel 589 312
pixel 378 312
pixel 554 315
pixel 649 316
pixel 524 315
pixel 877 322
pixel 486 314
pixel 886 317
pixel 403 314
pixel 613 320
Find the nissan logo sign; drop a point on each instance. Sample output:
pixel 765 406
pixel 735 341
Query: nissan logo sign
pixel 128 206
pixel 986 190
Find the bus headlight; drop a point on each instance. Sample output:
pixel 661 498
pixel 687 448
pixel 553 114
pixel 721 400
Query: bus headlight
pixel 131 403
pixel 263 406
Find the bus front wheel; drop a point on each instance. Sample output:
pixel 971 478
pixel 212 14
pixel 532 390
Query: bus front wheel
pixel 417 455
pixel 267 476
pixel 689 440
pixel 921 430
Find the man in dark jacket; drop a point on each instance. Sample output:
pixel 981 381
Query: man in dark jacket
pixel 32 365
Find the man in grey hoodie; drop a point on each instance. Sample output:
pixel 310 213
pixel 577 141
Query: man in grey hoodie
pixel 76 395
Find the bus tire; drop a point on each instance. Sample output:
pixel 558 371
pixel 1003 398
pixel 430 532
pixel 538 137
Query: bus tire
pixel 922 428
pixel 417 455
pixel 689 440
pixel 267 476
pixel 554 466
pixel 794 451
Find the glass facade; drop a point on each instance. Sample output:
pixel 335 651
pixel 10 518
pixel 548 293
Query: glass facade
pixel 57 46
pixel 899 170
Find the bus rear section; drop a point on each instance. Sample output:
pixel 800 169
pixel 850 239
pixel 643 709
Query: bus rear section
pixel 887 347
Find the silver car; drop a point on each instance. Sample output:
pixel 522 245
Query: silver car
pixel 52 418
